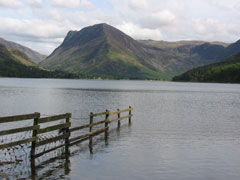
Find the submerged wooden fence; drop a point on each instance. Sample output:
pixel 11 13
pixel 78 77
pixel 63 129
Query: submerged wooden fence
pixel 64 129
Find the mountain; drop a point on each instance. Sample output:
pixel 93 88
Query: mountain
pixel 21 57
pixel 104 51
pixel 175 58
pixel 216 52
pixel 15 63
pixel 176 44
pixel 227 71
pixel 33 55
pixel 178 57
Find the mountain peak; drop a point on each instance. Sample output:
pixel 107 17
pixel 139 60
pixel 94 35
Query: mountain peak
pixel 103 50
pixel 95 34
pixel 90 33
pixel 103 25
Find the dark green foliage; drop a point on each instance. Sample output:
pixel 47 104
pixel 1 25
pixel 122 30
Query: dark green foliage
pixel 227 71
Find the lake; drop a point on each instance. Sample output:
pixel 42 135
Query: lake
pixel 179 131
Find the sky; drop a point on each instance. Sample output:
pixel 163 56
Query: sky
pixel 43 24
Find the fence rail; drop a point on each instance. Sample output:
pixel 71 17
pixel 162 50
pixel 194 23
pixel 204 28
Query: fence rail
pixel 19 118
pixel 18 130
pixel 64 129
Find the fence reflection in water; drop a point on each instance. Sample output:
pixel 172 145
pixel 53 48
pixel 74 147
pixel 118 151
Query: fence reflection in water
pixel 49 144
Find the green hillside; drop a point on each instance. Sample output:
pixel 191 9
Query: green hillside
pixel 176 44
pixel 33 55
pixel 227 71
pixel 14 63
pixel 21 57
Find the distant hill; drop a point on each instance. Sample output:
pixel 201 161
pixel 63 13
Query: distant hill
pixel 216 52
pixel 177 57
pixel 227 71
pixel 33 55
pixel 14 63
pixel 104 51
pixel 176 44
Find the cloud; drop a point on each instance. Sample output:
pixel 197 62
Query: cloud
pixel 35 3
pixel 87 5
pixel 73 4
pixel 32 28
pixel 138 4
pixel 66 4
pixel 11 3
pixel 140 33
pixel 34 32
pixel 43 23
pixel 159 19
pixel 223 6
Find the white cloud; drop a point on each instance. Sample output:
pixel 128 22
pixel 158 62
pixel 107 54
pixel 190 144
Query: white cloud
pixel 32 28
pixel 221 5
pixel 66 3
pixel 42 23
pixel 73 4
pixel 11 3
pixel 138 4
pixel 212 30
pixel 35 3
pixel 140 33
pixel 86 4
pixel 159 19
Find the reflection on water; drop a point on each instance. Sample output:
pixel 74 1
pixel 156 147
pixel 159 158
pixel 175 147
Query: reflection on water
pixel 57 164
pixel 180 131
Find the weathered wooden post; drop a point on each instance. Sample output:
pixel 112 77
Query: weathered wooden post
pixel 67 144
pixel 90 129
pixel 106 124
pixel 69 115
pixel 33 147
pixel 33 168
pixel 130 115
pixel 119 122
pixel 34 133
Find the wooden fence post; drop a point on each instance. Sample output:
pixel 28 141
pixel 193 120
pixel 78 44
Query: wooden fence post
pixel 130 113
pixel 69 115
pixel 119 122
pixel 90 129
pixel 106 124
pixel 34 134
pixel 33 147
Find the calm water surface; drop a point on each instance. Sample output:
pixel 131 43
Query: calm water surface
pixel 180 131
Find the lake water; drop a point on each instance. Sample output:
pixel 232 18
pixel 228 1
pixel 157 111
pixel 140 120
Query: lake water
pixel 179 131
